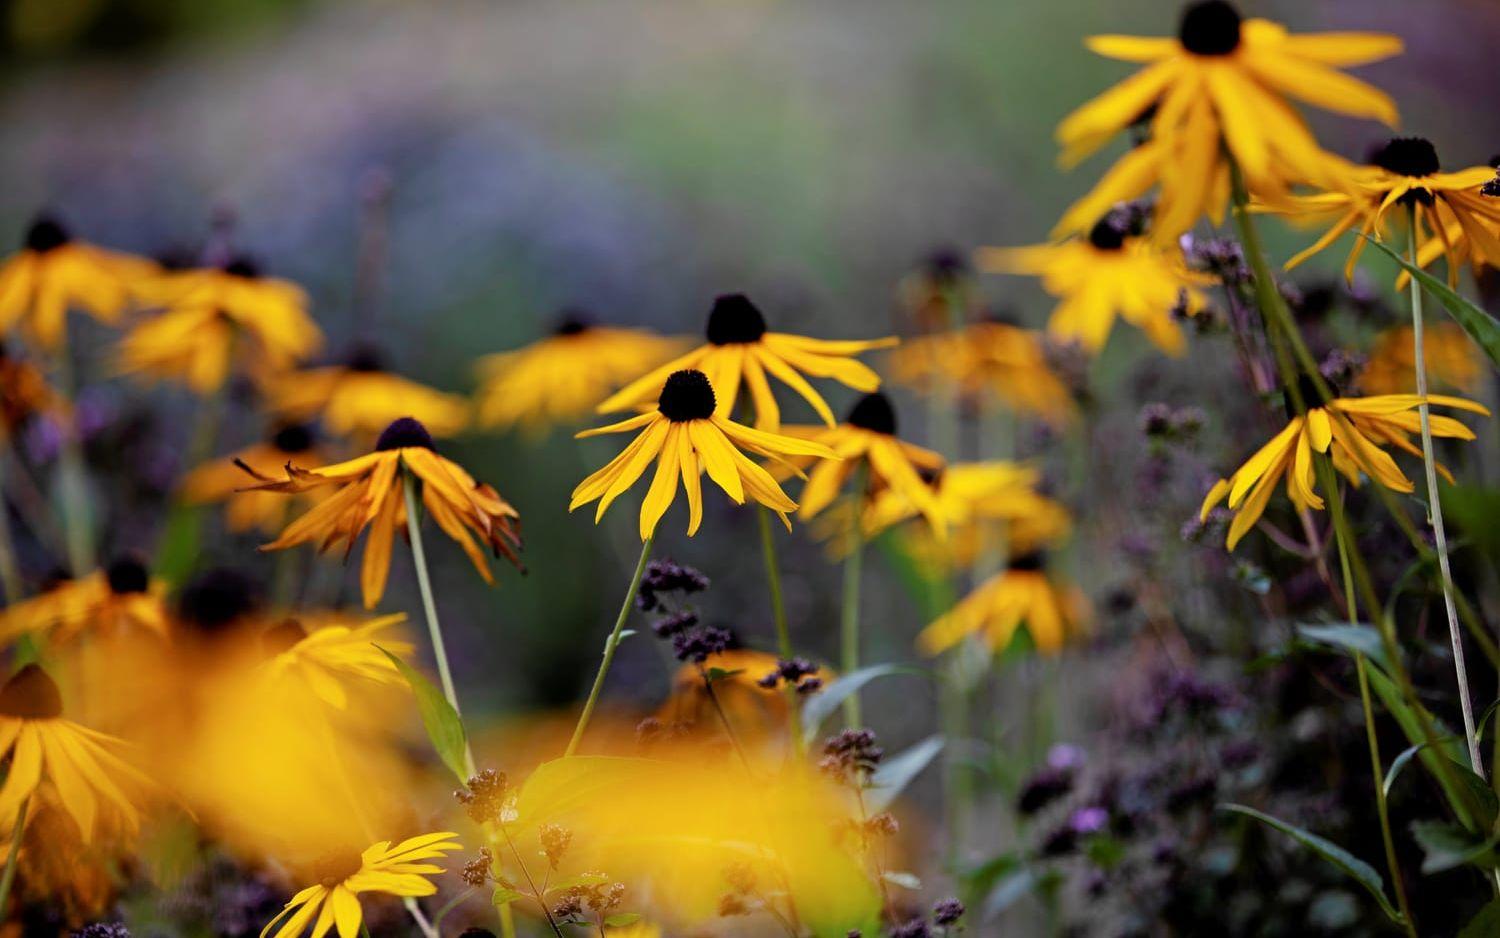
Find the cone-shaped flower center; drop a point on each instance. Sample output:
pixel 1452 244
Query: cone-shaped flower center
pixel 335 868
pixel 873 412
pixel 1407 156
pixel 1210 28
pixel 1106 235
pixel 293 438
pixel 31 695
pixel 366 357
pixel 1033 561
pixel 687 395
pixel 45 234
pixel 572 322
pixel 734 320
pixel 402 433
pixel 127 575
pixel 242 266
pixel 946 264
pixel 217 599
pixel 282 636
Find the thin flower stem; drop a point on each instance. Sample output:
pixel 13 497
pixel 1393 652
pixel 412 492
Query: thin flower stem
pixel 778 614
pixel 610 645
pixel 429 606
pixel 72 481
pixel 1435 508
pixel 849 623
pixel 9 875
pixel 10 573
pixel 537 894
pixel 417 916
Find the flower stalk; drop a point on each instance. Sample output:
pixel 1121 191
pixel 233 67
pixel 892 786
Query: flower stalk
pixel 9 876
pixel 778 614
pixel 610 645
pixel 849 621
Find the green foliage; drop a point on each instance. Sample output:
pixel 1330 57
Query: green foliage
pixel 822 706
pixel 898 771
pixel 1480 326
pixel 441 721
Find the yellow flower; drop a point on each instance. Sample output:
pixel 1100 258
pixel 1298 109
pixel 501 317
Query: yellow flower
pixel 975 494
pixel 688 436
pixel 57 867
pixel 740 349
pixel 1219 88
pixel 563 377
pixel 987 357
pixel 867 440
pixel 222 480
pixel 938 292
pixel 1107 274
pixel 333 901
pixel 106 602
pixel 1020 595
pixel 360 398
pixel 757 712
pixel 24 394
pixel 324 651
pixel 53 273
pixel 1453 218
pixel 1452 360
pixel 210 317
pixel 1351 431
pixel 368 494
pixel 77 764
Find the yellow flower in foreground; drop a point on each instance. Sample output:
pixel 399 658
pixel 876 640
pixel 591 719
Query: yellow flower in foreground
pixel 563 377
pixel 688 436
pixel 326 651
pixel 1020 595
pixel 1351 431
pixel 53 273
pixel 360 398
pixel 106 602
pixel 333 901
pixel 369 495
pixel 80 765
pixel 1452 360
pixel 740 349
pixel 987 358
pixel 222 480
pixel 1105 275
pixel 1217 90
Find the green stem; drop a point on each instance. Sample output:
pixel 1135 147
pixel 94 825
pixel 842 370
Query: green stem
pixel 10 572
pixel 72 481
pixel 9 876
pixel 610 645
pixel 778 614
pixel 849 621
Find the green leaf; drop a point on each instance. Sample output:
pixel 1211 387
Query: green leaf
pixel 582 879
pixel 621 919
pixel 1480 326
pixel 177 550
pixel 617 639
pixel 1446 846
pixel 1484 925
pixel 715 675
pixel 504 895
pixel 904 880
pixel 822 705
pixel 443 725
pixel 1351 638
pixel 1352 866
pixel 1390 697
pixel 1473 509
pixel 1400 762
pixel 897 772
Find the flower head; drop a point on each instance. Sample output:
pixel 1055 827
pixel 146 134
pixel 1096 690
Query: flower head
pixel 688 435
pixel 116 599
pixel 1451 357
pixel 221 479
pixel 987 358
pixel 327 652
pixel 741 350
pixel 1022 594
pixel 360 398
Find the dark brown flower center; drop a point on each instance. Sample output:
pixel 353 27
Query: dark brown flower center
pixel 31 695
pixel 242 266
pixel 366 357
pixel 127 575
pixel 734 320
pixel 282 635
pixel 873 412
pixel 572 322
pixel 218 599
pixel 687 395
pixel 45 234
pixel 403 433
pixel 1211 27
pixel 1032 561
pixel 1407 156
pixel 293 438
pixel 1106 235
pixel 334 868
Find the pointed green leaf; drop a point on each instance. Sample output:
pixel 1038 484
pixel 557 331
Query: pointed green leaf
pixel 821 706
pixel 1445 846
pixel 1350 638
pixel 1480 326
pixel 897 772
pixel 504 895
pixel 443 725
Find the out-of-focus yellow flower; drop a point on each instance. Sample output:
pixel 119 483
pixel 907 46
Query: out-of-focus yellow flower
pixel 369 494
pixel 939 294
pixel 222 480
pixel 53 273
pixel 212 317
pixel 987 358
pixel 57 866
pixel 361 398
pixel 333 901
pixel 324 652
pixel 1452 360
pixel 1022 595
pixel 25 394
pixel 740 349
pixel 1218 91
pixel 688 436
pixel 1104 275
pixel 1351 430
pixel 755 712
pixel 80 766
pixel 116 599
pixel 563 377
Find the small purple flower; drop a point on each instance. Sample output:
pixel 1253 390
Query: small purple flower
pixel 1088 820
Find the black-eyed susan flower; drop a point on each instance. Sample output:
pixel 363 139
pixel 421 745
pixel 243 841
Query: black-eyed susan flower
pixel 1219 90
pixel 222 480
pixel 333 901
pixel 324 651
pixel 25 394
pixel 980 494
pixel 83 768
pixel 741 351
pixel 687 436
pixel 1453 218
pixel 939 293
pixel 1108 274
pixel 56 866
pixel 1021 595
pixel 360 398
pixel 867 442
pixel 987 358
pixel 211 319
pixel 117 599
pixel 561 378
pixel 1451 356
pixel 1352 432
pixel 367 494
pixel 53 273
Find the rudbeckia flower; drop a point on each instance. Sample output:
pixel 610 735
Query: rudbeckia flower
pixel 323 652
pixel 53 273
pixel 688 436
pixel 333 901
pixel 973 495
pixel 106 602
pixel 80 766
pixel 56 866
pixel 929 294
pixel 368 494
pixel 1453 218
pixel 222 480
pixel 1021 595
pixel 1106 274
pixel 1452 359
pixel 360 398
pixel 867 440
pixel 24 394
pixel 1351 430
pixel 563 377
pixel 1220 88
pixel 740 350
pixel 987 358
